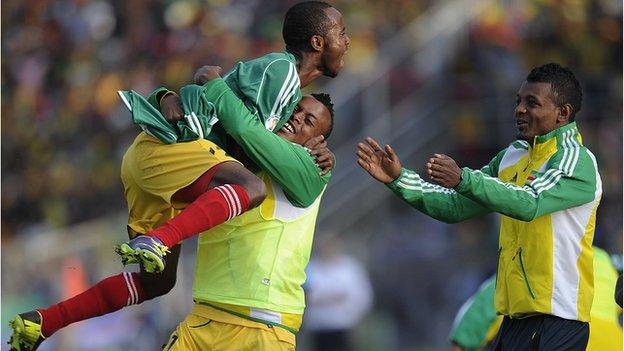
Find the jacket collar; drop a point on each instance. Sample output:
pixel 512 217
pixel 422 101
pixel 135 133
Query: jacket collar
pixel 566 131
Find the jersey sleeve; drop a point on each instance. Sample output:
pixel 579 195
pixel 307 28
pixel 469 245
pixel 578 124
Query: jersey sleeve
pixel 443 204
pixel 274 90
pixel 290 165
pixel 571 179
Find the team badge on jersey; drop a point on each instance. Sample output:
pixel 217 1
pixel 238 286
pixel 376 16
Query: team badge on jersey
pixel 271 122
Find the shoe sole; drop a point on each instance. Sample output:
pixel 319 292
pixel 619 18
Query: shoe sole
pixel 127 254
pixel 149 261
pixel 17 324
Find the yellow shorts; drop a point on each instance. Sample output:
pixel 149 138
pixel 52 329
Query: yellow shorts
pixel 208 329
pixel 152 172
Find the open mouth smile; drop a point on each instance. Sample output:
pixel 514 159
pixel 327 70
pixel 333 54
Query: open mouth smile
pixel 289 128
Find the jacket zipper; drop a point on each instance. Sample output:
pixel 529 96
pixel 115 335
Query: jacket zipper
pixel 526 279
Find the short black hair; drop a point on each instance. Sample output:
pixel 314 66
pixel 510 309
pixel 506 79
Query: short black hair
pixel 563 84
pixel 325 99
pixel 302 21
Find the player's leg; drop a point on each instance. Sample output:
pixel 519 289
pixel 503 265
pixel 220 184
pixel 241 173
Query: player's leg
pixel 231 190
pixel 222 192
pixel 109 295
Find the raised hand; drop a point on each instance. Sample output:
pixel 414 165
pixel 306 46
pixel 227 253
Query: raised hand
pixel 382 164
pixel 444 171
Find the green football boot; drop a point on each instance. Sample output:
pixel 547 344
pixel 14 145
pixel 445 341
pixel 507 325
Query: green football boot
pixel 27 334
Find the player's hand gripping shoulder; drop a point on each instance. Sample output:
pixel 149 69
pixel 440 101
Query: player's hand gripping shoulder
pixel 317 147
pixel 382 164
pixel 170 103
pixel 206 73
pixel 444 171
pixel 171 108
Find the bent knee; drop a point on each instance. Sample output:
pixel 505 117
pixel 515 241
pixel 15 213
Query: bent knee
pixel 235 173
pixel 257 192
pixel 155 285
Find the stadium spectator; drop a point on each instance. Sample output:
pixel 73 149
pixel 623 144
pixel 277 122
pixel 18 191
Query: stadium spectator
pixel 338 296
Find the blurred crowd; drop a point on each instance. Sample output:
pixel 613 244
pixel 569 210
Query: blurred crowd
pixel 64 130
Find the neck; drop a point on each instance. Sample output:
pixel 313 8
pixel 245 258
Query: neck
pixel 307 68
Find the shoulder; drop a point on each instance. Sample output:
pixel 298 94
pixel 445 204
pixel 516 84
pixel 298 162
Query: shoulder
pixel 272 61
pixel 571 154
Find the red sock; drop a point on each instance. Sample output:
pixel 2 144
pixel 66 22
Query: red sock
pixel 109 295
pixel 212 208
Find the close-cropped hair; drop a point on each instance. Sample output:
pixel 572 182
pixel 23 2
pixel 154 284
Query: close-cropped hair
pixel 563 84
pixel 302 21
pixel 325 99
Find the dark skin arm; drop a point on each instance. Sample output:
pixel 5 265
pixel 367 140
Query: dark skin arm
pixel 171 108
pixel 384 165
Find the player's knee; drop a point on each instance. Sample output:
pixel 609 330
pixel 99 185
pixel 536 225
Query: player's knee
pixel 256 190
pixel 235 173
pixel 155 285
pixel 159 284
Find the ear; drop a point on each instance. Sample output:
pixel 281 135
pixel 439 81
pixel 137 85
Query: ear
pixel 565 113
pixel 317 42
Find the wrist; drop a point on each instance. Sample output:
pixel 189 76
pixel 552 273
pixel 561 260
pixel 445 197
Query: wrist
pixel 396 178
pixel 463 176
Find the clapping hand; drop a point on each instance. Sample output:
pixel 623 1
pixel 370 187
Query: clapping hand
pixel 382 164
pixel 444 171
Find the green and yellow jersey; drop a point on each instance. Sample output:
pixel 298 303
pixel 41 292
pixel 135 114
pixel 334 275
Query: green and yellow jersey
pixel 253 265
pixel 548 192
pixel 476 324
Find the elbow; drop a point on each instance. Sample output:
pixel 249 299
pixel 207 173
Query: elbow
pixel 442 217
pixel 524 216
pixel 452 220
pixel 528 217
pixel 304 199
pixel 303 202
pixel 243 133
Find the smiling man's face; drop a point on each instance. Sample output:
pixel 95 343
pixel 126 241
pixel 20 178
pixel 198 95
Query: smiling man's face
pixel 309 119
pixel 536 111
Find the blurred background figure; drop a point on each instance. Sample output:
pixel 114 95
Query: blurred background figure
pixel 339 295
pixel 415 69
pixel 476 323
